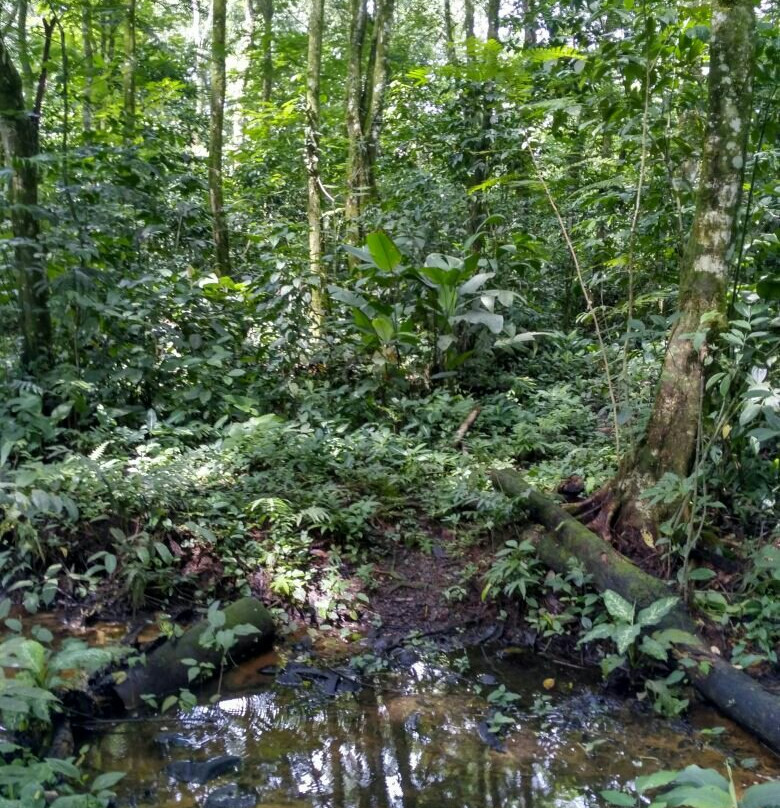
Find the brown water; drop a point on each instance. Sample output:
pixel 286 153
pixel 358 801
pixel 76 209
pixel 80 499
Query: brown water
pixel 412 741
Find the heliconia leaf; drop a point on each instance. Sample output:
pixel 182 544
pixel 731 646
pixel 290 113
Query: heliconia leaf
pixel 383 251
pixel 494 322
pixel 475 283
pixel 384 328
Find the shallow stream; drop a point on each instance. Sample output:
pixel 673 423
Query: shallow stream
pixel 413 740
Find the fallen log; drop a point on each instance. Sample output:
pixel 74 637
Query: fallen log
pixel 164 672
pixel 733 691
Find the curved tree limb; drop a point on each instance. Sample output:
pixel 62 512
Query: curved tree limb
pixel 735 693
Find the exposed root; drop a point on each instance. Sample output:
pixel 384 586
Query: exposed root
pixel 618 518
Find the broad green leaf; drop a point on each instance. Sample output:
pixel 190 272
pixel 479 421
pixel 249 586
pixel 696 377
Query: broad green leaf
pixel 706 796
pixel 618 607
pixel 475 283
pixel 610 663
pixel 444 342
pixel 106 780
pixel 676 636
pixel 384 252
pixel 618 798
pixel 384 328
pixel 695 775
pixel 656 611
pixel 346 296
pixel 64 767
pixel 655 780
pixel 599 632
pixel 653 648
pixel 494 322
pixel 436 276
pixel 624 637
pixel 364 255
pixel 763 795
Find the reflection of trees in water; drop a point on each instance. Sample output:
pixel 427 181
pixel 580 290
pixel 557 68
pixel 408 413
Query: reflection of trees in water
pixel 364 755
pixel 366 751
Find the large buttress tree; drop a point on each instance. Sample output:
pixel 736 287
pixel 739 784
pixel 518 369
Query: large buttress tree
pixel 19 129
pixel 670 440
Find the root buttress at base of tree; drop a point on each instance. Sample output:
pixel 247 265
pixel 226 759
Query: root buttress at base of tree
pixel 734 692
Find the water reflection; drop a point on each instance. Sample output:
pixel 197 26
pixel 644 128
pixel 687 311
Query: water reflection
pixel 410 744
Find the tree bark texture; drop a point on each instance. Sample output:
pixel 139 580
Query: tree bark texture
pixel 128 73
pixel 89 65
pixel 267 12
pixel 669 444
pixel 216 134
pixel 449 33
pixel 366 85
pixel 564 539
pixel 493 8
pixel 28 81
pixel 468 27
pixel 19 129
pixel 312 155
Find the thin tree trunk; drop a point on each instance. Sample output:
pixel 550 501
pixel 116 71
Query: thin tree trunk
pixel 493 9
pixel 449 33
pixel 376 85
pixel 356 151
pixel 669 444
pixel 24 50
pixel 89 65
pixel 20 137
pixel 217 97
pixel 267 11
pixel 128 73
pixel 312 153
pixel 529 23
pixel 468 26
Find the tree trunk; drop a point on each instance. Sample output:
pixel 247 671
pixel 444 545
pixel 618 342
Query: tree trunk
pixel 564 539
pixel 468 26
pixel 24 50
pixel 165 672
pixel 669 444
pixel 267 11
pixel 128 73
pixel 365 106
pixel 376 84
pixel 529 24
pixel 89 65
pixel 217 97
pixel 356 149
pixel 19 132
pixel 312 154
pixel 493 8
pixel 449 33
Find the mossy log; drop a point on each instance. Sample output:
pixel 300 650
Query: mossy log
pixel 164 672
pixel 731 690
